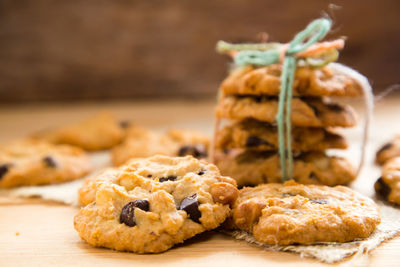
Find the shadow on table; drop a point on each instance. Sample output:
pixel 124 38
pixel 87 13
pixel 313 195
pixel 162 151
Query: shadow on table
pixel 202 250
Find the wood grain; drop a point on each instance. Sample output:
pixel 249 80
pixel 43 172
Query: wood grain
pixel 97 49
pixel 40 233
pixel 43 235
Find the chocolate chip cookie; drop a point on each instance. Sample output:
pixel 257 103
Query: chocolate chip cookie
pixel 100 132
pixel 140 142
pixel 291 213
pixel 34 162
pixel 309 112
pixel 388 151
pixel 149 205
pixel 388 186
pixel 252 167
pixel 253 134
pixel 308 81
pixel 87 192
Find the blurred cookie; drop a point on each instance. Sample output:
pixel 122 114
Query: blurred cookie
pixel 149 205
pixel 324 81
pixel 253 134
pixel 141 142
pixel 291 213
pixel 33 162
pixel 253 167
pixel 388 186
pixel 310 112
pixel 100 132
pixel 388 151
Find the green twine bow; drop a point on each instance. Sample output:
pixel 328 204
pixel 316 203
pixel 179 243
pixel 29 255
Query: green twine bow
pixel 251 55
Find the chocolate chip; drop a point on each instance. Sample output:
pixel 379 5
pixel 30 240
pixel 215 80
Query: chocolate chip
pixel 319 201
pixel 315 110
pixel 258 99
pixel 249 156
pixel 385 147
pixel 197 151
pixel 297 154
pixel 142 204
pixel 335 107
pixel 124 124
pixel 190 204
pixel 382 188
pixel 50 162
pixel 4 169
pixel 246 185
pixel 149 176
pixel 128 211
pixel 253 141
pixel 201 172
pixel 312 176
pixel 128 215
pixel 169 178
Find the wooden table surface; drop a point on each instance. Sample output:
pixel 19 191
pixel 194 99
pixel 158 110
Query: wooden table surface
pixel 34 232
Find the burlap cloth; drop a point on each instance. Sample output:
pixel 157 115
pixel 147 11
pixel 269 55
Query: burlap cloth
pixel 327 252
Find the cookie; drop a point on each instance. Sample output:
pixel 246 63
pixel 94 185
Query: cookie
pixel 310 112
pixel 326 81
pixel 253 134
pixel 97 133
pixel 251 167
pixel 388 151
pixel 292 213
pixel 87 192
pixel 149 205
pixel 140 143
pixel 33 162
pixel 388 186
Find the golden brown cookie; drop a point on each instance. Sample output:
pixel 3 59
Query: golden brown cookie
pixel 388 186
pixel 100 132
pixel 151 204
pixel 292 213
pixel 253 134
pixel 253 167
pixel 308 81
pixel 388 151
pixel 310 112
pixel 141 142
pixel 87 192
pixel 34 162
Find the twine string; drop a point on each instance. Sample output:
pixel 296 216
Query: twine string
pixel 369 107
pixel 315 31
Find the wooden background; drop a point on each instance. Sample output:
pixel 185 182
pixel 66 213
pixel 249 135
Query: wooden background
pixel 97 49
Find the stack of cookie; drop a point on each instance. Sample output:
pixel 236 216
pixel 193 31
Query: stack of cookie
pixel 388 185
pixel 246 148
